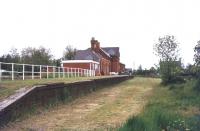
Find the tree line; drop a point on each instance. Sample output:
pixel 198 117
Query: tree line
pixel 37 56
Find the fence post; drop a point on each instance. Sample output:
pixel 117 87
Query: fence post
pixel 90 69
pixel 59 72
pixel 12 71
pixel 67 72
pixel 47 72
pixel 71 72
pixel 78 72
pixel 63 72
pixel 32 71
pixel 23 72
pixel 75 72
pixel 53 71
pixel 40 72
pixel 0 71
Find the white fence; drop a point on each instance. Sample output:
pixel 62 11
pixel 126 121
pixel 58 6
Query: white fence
pixel 14 71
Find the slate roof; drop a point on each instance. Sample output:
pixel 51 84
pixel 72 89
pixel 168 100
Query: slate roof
pixel 112 51
pixel 87 55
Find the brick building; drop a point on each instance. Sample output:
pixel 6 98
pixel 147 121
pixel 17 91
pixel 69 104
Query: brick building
pixel 104 60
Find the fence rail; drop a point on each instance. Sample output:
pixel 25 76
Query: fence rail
pixel 14 71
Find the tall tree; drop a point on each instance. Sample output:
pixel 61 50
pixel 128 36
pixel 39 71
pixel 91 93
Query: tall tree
pixel 197 53
pixel 40 56
pixel 167 49
pixel 69 53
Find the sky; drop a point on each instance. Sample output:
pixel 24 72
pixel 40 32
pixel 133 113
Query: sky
pixel 132 25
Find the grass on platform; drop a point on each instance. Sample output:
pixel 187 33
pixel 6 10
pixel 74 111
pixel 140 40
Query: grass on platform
pixel 9 87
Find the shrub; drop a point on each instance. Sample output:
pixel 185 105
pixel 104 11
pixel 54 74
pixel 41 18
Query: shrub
pixel 197 85
pixel 155 119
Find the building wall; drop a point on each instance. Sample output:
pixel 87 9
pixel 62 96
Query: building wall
pixel 115 65
pixel 77 65
pixel 122 67
pixel 105 66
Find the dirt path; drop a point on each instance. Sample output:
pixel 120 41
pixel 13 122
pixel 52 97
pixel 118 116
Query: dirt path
pixel 101 110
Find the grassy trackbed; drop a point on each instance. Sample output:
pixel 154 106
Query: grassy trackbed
pixel 104 109
pixel 172 108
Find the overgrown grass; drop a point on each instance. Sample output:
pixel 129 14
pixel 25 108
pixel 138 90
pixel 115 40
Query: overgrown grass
pixel 173 107
pixel 9 87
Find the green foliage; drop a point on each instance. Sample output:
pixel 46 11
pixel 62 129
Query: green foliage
pixel 167 50
pixel 197 53
pixel 197 85
pixel 29 55
pixel 40 56
pixel 13 56
pixel 170 71
pixel 153 119
pixel 152 72
pixel 69 53
pixel 167 109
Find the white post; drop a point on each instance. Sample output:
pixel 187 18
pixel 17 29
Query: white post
pixel 99 69
pixel 90 69
pixel 71 72
pixel 78 72
pixel 23 72
pixel 53 72
pixel 59 72
pixel 47 72
pixel 12 71
pixel 32 71
pixel 0 71
pixel 75 72
pixel 67 72
pixel 63 72
pixel 40 72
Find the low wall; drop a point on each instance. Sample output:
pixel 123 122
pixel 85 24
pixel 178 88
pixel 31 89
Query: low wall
pixel 44 95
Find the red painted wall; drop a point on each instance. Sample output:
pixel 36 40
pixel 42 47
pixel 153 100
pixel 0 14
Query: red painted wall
pixel 77 65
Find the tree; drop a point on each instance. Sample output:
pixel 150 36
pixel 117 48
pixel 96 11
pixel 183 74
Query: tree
pixel 139 70
pixel 69 53
pixel 197 53
pixel 12 57
pixel 56 62
pixel 40 56
pixel 167 50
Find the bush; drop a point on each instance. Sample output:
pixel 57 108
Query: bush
pixel 170 71
pixel 155 119
pixel 196 86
